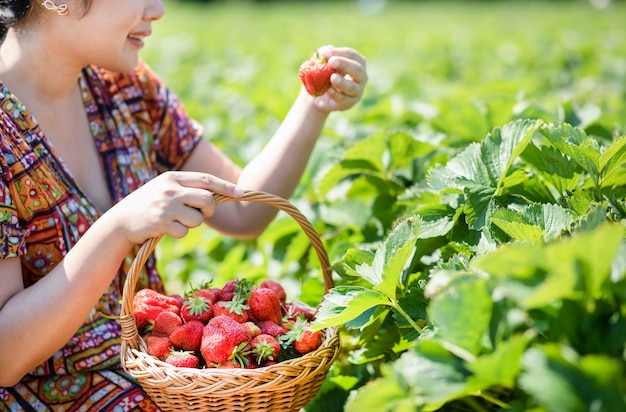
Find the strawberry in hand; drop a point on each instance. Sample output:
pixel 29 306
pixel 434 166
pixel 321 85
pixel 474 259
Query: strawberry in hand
pixel 315 75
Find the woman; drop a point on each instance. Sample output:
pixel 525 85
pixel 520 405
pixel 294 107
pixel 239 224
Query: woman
pixel 98 156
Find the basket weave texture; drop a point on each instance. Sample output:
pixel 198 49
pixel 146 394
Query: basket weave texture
pixel 286 386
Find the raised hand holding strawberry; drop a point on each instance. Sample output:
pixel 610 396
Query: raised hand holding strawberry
pixel 346 83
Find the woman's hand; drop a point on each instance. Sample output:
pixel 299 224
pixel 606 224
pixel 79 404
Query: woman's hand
pixel 170 204
pixel 348 81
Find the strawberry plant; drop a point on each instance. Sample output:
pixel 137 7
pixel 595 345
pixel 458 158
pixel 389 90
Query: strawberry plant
pixel 519 261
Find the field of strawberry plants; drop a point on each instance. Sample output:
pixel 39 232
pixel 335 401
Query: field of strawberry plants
pixel 472 206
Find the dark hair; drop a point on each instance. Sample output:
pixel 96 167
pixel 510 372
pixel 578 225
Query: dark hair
pixel 12 12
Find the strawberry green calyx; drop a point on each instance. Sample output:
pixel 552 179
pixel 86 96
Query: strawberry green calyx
pixel 197 305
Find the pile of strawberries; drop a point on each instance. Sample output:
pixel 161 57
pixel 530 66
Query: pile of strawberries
pixel 241 325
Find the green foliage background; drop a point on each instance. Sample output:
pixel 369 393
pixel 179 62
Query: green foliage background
pixel 443 75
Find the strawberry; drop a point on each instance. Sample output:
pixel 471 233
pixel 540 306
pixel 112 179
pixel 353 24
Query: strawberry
pixel 178 298
pixel 235 309
pixel 265 348
pixel 223 338
pixel 308 341
pixel 265 305
pixel 196 308
pixel 183 359
pixel 301 337
pixel 165 323
pixel 228 290
pixel 270 328
pixel 188 336
pixel 203 291
pixel 276 287
pixel 315 75
pixel 215 346
pixel 148 303
pixel 158 346
pixel 253 329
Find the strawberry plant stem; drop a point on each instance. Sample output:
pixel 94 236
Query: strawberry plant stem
pixel 407 317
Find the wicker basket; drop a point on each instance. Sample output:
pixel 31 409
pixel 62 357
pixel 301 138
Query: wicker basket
pixel 286 386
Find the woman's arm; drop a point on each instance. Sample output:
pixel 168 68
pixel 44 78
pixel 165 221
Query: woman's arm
pixel 278 168
pixel 36 321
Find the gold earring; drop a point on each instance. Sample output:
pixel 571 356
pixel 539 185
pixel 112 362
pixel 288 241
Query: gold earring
pixel 61 9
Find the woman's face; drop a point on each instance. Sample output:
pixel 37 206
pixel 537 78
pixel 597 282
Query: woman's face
pixel 109 35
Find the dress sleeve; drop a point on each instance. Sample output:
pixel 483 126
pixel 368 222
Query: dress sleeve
pixel 175 133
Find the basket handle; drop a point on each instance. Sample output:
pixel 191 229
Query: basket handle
pixel 129 327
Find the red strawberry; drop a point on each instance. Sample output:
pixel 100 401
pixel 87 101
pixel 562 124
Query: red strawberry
pixel 228 290
pixel 158 346
pixel 253 329
pixel 215 346
pixel 315 75
pixel 308 341
pixel 265 348
pixel 265 305
pixel 276 287
pixel 178 298
pixel 196 308
pixel 235 309
pixel 148 303
pixel 223 338
pixel 270 328
pixel 183 359
pixel 203 291
pixel 188 336
pixel 165 323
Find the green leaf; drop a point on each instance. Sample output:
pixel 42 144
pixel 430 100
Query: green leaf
pixel 345 303
pixel 382 394
pixel 461 312
pixel 554 166
pixel 434 375
pixel 364 157
pixel 613 164
pixel 479 205
pixel 503 145
pixel 437 220
pixel 560 380
pixel 577 145
pixel 395 255
pixel 349 263
pixel 501 367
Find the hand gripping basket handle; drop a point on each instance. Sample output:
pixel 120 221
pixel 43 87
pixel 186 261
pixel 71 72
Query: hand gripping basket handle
pixel 129 327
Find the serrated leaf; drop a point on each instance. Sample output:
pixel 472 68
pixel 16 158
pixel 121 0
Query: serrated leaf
pixel 395 255
pixel 437 220
pixel 562 172
pixel 519 231
pixel 478 206
pixel 461 312
pixel 613 164
pixel 503 145
pixel 577 145
pixel 350 261
pixel 343 304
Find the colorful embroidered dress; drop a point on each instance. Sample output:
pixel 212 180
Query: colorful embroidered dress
pixel 139 129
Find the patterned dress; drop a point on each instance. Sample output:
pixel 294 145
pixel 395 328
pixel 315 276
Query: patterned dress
pixel 140 129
